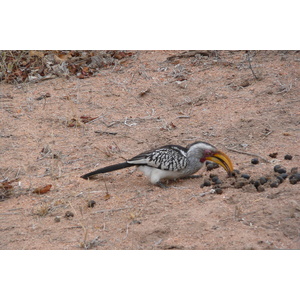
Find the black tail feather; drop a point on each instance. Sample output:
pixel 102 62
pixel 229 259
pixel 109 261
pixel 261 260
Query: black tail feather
pixel 107 169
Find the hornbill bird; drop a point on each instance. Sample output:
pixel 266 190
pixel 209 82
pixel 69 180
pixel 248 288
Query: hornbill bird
pixel 172 162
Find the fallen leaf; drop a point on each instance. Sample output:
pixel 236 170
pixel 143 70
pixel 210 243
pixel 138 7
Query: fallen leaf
pixel 42 190
pixel 86 119
pixel 74 123
pixel 107 196
pixel 36 53
pixel 6 185
pixel 64 57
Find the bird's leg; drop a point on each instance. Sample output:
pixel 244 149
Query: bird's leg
pixel 161 185
pixel 192 177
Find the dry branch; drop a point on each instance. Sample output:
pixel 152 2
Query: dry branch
pixel 111 210
pixel 247 153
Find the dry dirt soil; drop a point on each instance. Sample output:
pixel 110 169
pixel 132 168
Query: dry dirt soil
pixel 244 103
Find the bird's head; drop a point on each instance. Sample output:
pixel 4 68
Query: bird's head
pixel 206 151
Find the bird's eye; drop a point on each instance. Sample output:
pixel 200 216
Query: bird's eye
pixel 208 153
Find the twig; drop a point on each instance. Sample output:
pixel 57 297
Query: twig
pixel 183 117
pixel 111 210
pixel 105 132
pixel 127 230
pixel 249 61
pixel 212 191
pixel 267 134
pixel 247 153
pixel 85 232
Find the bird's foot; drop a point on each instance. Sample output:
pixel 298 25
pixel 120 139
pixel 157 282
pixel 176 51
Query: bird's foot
pixel 161 185
pixel 192 177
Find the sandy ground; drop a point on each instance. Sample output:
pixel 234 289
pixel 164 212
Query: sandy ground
pixel 150 99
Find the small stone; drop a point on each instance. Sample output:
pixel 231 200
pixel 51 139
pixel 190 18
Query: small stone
pixel 215 165
pixel 276 168
pixel 205 183
pixel 274 184
pixel 260 189
pixel 211 166
pixel 69 214
pixel 219 191
pixel 57 219
pixel 239 184
pixel 135 222
pixel 235 172
pixel 283 176
pixel 218 181
pixel 280 179
pixel 254 161
pixel 246 176
pixel 263 180
pixel 281 170
pixel 273 155
pixel 293 180
pixel 294 170
pixel 214 178
pixel 288 157
pixel 91 203
pixel 256 183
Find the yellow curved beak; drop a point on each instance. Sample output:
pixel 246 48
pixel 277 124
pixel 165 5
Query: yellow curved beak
pixel 223 160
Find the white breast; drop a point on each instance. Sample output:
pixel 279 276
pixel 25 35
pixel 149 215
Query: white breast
pixel 156 175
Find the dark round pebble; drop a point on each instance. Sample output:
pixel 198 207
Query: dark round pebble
pixel 274 184
pixel 69 214
pixel 211 166
pixel 254 161
pixel 295 177
pixel 218 181
pixel 239 184
pixel 214 178
pixel 281 170
pixel 276 168
pixel 219 191
pixel 205 183
pixel 246 176
pixel 57 219
pixel 284 175
pixel 288 157
pixel 263 180
pixel 260 189
pixel 293 180
pixel 91 203
pixel 216 166
pixel 256 183
pixel 135 222
pixel 294 170
pixel 280 179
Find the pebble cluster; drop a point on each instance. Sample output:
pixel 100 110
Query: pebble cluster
pixel 273 180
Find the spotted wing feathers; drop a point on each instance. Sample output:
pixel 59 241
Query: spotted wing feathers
pixel 171 158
